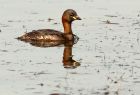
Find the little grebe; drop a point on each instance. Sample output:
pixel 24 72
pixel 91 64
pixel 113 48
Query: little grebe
pixel 68 17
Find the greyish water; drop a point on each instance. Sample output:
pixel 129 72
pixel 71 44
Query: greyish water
pixel 108 49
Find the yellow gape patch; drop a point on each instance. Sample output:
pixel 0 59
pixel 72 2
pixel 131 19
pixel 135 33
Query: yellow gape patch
pixel 74 18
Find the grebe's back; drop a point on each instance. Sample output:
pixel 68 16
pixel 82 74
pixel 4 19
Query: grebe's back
pixel 43 34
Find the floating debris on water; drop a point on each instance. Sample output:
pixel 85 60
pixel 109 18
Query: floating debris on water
pixel 55 23
pixel 50 19
pixel 109 22
pixel 111 16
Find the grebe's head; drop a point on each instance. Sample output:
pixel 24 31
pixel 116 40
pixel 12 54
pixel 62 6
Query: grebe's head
pixel 70 15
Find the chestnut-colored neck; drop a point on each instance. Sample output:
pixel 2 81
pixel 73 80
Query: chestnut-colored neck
pixel 67 27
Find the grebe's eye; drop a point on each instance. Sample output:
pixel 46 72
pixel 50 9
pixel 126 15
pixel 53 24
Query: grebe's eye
pixel 72 14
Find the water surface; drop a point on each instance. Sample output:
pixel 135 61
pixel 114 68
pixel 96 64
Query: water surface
pixel 108 49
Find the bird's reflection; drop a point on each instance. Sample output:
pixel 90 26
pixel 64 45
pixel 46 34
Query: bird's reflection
pixel 68 61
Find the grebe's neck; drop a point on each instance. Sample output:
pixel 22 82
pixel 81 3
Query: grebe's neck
pixel 67 27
